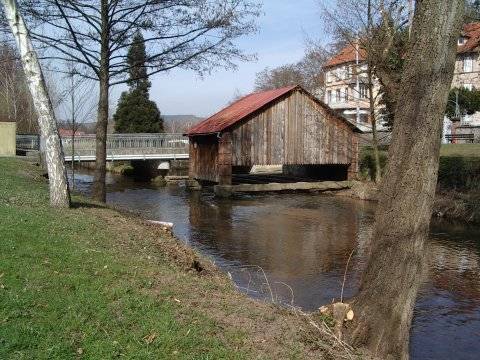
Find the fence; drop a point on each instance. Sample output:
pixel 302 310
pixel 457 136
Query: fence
pixel 128 144
pixel 28 142
pixel 116 143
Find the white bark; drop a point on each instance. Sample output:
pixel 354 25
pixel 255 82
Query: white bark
pixel 59 193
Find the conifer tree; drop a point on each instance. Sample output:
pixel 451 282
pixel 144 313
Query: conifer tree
pixel 136 113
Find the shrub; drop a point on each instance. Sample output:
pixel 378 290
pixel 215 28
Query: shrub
pixel 367 162
pixel 459 173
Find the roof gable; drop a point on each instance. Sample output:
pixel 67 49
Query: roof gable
pixel 237 111
pixel 346 55
pixel 248 105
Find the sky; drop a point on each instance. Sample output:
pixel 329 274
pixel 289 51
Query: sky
pixel 280 40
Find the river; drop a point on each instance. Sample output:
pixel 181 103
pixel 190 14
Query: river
pixel 294 248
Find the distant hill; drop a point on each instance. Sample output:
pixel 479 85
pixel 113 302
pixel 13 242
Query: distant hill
pixel 179 123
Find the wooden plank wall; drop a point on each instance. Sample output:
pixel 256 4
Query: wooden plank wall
pixel 204 158
pixel 295 130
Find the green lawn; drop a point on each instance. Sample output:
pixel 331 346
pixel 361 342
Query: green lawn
pixel 465 150
pixel 92 283
pixel 67 291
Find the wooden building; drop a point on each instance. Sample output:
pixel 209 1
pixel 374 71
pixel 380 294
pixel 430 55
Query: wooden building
pixel 286 126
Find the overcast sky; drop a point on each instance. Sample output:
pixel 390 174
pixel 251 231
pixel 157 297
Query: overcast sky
pixel 280 40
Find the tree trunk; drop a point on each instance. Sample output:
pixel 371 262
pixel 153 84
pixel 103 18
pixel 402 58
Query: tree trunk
pixel 390 283
pixel 99 190
pixel 373 119
pixel 57 176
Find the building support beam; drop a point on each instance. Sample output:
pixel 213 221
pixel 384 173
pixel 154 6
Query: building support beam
pixel 225 159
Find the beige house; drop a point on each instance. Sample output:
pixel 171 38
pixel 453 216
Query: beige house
pixel 467 66
pixel 346 85
pixel 346 91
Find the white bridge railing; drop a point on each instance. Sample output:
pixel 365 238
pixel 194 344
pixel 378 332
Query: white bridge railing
pixel 129 147
pixel 119 146
pixel 28 142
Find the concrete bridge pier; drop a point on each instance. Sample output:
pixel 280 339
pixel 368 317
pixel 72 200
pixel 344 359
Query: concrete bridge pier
pixel 163 168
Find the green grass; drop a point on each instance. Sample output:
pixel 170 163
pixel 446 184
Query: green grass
pixel 465 150
pixel 69 289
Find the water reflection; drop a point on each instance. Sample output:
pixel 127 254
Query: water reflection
pixel 304 241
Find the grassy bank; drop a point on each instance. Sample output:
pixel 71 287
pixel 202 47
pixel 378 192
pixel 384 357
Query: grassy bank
pixel 463 150
pixel 93 283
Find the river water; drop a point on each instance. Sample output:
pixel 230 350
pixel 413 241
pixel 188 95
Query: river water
pixel 294 248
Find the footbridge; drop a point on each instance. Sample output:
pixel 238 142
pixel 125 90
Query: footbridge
pixel 125 147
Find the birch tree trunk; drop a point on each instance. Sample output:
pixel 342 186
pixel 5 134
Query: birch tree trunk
pixel 59 193
pixel 384 305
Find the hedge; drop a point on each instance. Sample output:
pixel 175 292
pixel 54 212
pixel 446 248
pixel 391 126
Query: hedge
pixel 455 172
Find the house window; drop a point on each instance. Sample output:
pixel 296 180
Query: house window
pixel 468 86
pixel 338 74
pixel 328 75
pixel 363 91
pixel 338 96
pixel 349 71
pixel 329 96
pixel 346 94
pixel 468 63
pixel 461 40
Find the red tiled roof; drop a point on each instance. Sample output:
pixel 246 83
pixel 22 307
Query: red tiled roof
pixel 346 55
pixel 238 111
pixel 470 31
pixel 472 34
pixel 68 132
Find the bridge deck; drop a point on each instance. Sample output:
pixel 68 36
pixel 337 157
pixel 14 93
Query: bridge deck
pixel 119 146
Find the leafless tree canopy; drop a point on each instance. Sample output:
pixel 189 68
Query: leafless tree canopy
pixel 194 34
pixel 15 101
pixel 308 72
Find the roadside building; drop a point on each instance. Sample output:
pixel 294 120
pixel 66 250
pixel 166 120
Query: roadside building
pixel 346 84
pixel 69 132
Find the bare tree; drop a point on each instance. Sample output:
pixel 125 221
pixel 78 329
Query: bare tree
pixel 191 34
pixel 59 194
pixel 388 291
pixel 308 72
pixel 15 101
pixel 78 105
pixel 281 76
pixel 371 27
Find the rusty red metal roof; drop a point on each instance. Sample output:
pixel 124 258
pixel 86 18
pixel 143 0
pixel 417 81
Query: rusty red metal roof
pixel 238 111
